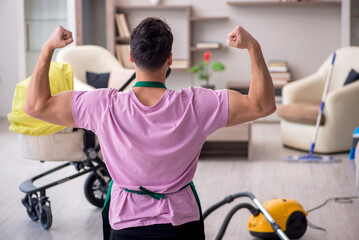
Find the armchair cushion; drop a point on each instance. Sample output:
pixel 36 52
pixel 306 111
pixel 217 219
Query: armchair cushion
pixel 97 80
pixel 301 112
pixel 352 77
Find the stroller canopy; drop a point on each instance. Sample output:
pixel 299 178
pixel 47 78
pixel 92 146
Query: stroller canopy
pixel 61 79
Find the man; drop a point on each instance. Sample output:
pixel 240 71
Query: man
pixel 151 136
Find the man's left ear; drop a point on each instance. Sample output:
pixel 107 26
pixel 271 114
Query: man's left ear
pixel 169 60
pixel 130 56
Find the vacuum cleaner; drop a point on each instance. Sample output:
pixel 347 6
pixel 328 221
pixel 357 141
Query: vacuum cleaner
pixel 280 218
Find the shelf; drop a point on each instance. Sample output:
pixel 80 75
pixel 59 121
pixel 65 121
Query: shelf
pixel 45 19
pixel 198 19
pixel 179 68
pixel 278 3
pixel 147 7
pixel 122 39
pixel 243 87
pixel 180 64
pixel 195 49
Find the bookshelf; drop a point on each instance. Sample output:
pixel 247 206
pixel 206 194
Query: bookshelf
pixel 134 14
pixel 279 3
pixel 197 24
pixel 183 35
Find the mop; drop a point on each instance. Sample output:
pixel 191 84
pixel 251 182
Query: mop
pixel 311 157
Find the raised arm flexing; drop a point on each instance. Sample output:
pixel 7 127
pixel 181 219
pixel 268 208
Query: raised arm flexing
pixel 260 100
pixel 39 102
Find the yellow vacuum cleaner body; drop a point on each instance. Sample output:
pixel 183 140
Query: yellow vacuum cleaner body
pixel 288 214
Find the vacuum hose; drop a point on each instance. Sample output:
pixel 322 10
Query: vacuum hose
pixel 227 199
pixel 230 198
pixel 229 216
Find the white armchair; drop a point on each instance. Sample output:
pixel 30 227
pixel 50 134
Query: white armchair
pixel 341 106
pixel 94 59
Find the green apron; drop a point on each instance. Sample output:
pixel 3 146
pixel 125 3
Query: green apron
pixel 143 191
pixel 105 221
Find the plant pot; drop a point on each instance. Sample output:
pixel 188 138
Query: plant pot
pixel 209 86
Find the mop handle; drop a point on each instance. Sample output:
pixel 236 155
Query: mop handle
pixel 274 225
pixel 320 113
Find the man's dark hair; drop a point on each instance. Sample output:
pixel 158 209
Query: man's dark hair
pixel 151 43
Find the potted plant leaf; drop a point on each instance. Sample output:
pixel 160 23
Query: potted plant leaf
pixel 203 69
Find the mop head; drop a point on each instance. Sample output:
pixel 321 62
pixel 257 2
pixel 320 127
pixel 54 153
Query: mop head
pixel 311 158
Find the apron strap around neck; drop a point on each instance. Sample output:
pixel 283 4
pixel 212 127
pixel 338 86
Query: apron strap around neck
pixel 149 84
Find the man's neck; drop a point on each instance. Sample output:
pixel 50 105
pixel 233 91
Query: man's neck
pixel 156 76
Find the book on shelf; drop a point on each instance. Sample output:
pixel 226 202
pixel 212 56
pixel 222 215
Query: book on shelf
pixel 122 25
pixel 277 66
pixel 123 55
pixel 280 76
pixel 179 63
pixel 208 45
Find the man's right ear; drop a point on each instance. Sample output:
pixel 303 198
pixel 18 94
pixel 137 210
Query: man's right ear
pixel 130 57
pixel 169 59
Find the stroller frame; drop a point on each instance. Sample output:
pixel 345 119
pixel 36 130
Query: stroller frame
pixel 38 205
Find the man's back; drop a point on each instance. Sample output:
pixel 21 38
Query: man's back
pixel 156 147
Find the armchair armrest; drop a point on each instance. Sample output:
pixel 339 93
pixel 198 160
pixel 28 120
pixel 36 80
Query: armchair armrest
pixel 308 89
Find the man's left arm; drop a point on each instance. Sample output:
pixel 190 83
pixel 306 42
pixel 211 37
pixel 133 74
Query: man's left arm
pixel 39 103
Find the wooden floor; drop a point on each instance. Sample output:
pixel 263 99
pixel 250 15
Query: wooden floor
pixel 265 176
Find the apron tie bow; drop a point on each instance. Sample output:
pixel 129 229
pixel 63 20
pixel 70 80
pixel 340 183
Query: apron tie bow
pixel 147 192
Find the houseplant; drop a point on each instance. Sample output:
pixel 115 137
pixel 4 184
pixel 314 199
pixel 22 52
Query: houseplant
pixel 203 70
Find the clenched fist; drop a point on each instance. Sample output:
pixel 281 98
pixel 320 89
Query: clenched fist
pixel 60 38
pixel 240 38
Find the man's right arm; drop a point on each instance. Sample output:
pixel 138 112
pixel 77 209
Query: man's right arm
pixel 260 99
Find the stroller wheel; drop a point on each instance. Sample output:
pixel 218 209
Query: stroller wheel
pixel 96 186
pixel 46 217
pixel 31 208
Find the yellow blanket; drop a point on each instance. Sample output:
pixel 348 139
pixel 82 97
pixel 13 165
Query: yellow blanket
pixel 61 79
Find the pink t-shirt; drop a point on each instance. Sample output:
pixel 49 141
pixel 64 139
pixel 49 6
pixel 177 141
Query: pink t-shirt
pixel 155 147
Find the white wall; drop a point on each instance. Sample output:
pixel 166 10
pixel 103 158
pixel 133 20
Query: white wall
pixel 12 57
pixel 345 23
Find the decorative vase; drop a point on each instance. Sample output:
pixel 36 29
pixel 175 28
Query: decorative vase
pixel 155 2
